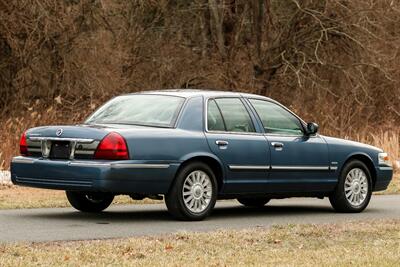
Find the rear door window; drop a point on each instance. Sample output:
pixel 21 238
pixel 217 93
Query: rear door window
pixel 230 115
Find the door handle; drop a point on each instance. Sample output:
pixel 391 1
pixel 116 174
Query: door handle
pixel 277 145
pixel 221 143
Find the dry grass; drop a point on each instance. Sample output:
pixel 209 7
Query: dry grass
pixel 394 186
pixel 375 243
pixel 389 141
pixel 15 197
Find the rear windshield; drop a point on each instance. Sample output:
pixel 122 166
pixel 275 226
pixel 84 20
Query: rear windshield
pixel 147 110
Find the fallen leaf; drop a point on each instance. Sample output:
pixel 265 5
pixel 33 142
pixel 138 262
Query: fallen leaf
pixel 58 99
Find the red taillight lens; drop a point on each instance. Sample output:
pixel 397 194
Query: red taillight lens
pixel 23 147
pixel 112 147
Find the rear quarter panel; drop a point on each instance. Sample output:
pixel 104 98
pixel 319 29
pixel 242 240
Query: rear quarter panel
pixel 171 144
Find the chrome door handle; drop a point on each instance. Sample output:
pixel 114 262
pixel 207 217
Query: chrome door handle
pixel 277 145
pixel 221 143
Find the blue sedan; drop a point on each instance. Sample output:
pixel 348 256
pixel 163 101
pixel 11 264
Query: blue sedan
pixel 194 147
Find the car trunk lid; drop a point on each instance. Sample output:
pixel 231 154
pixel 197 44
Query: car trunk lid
pixel 64 142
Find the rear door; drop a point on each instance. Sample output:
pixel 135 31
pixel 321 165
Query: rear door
pixel 232 135
pixel 299 162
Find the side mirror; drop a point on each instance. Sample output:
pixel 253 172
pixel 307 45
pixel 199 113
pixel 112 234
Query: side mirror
pixel 312 128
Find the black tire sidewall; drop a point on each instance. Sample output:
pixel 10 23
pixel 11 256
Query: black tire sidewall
pixel 253 201
pixel 79 201
pixel 174 198
pixel 339 200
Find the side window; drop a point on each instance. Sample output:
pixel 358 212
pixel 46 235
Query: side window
pixel 215 122
pixel 276 119
pixel 235 115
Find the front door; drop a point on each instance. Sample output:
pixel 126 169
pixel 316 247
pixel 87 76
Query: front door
pixel 298 162
pixel 232 136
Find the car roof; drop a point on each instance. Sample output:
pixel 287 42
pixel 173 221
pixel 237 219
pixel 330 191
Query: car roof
pixel 188 93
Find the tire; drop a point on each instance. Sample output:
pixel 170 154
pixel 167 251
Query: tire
pixel 253 201
pixel 89 202
pixel 355 183
pixel 193 194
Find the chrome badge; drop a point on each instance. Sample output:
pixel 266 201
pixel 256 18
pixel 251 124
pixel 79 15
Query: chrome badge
pixel 59 132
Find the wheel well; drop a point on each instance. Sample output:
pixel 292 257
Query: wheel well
pixel 367 161
pixel 212 163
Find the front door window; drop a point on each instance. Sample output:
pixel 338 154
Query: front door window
pixel 276 119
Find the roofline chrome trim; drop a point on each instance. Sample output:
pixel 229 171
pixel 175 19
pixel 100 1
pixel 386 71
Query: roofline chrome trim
pixel 78 140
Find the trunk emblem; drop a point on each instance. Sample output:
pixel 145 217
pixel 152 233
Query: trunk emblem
pixel 59 132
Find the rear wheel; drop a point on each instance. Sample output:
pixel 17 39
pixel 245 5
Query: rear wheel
pixel 354 190
pixel 253 201
pixel 193 194
pixel 89 202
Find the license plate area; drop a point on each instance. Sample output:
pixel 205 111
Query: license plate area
pixel 60 150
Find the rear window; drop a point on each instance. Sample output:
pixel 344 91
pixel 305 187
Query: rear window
pixel 146 110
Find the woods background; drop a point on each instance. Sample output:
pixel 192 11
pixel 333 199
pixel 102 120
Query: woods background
pixel 336 62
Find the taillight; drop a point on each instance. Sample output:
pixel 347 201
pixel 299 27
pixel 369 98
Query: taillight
pixel 23 147
pixel 112 147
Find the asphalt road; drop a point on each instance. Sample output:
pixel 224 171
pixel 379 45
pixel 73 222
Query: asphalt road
pixel 138 220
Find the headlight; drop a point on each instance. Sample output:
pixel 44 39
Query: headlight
pixel 383 159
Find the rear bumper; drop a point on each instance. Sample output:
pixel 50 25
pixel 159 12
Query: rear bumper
pixel 128 176
pixel 383 177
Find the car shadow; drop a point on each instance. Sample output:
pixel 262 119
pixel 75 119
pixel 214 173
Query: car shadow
pixel 159 213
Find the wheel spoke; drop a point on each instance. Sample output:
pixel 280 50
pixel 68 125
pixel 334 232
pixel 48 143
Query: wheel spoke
pixel 197 191
pixel 356 186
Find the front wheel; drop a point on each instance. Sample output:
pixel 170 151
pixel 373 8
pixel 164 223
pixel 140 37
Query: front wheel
pixel 354 189
pixel 193 194
pixel 89 202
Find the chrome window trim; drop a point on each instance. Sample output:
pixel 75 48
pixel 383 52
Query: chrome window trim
pixel 284 135
pixel 205 123
pixel 237 133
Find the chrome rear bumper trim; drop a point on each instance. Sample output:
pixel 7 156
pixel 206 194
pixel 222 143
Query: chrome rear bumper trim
pixel 28 160
pixel 387 168
pixel 23 160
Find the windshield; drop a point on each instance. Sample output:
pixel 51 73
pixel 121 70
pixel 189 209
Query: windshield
pixel 147 110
